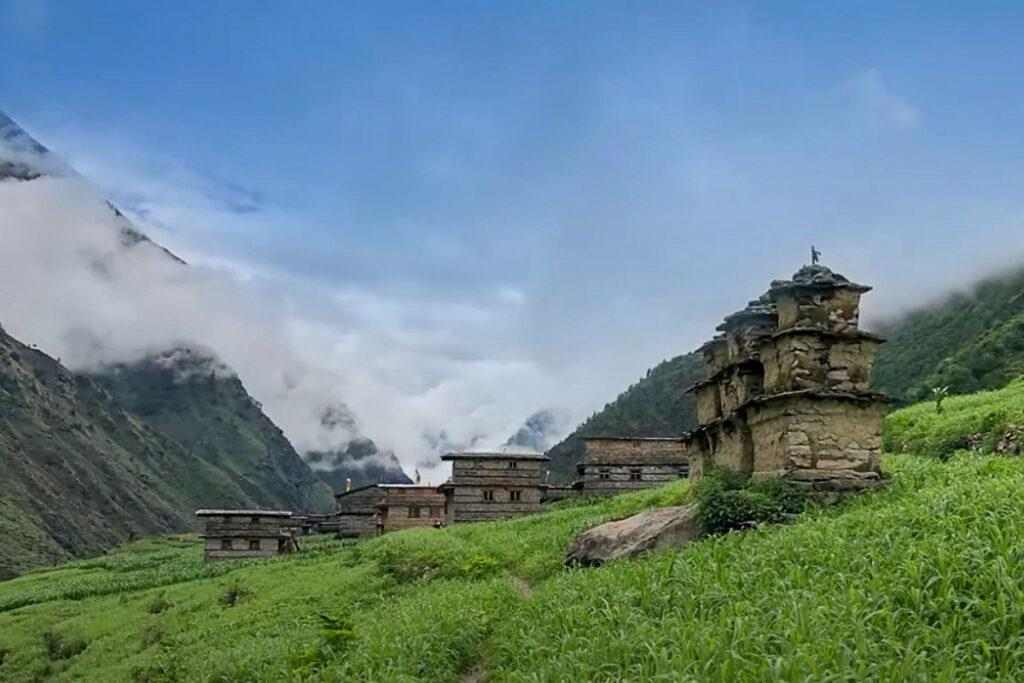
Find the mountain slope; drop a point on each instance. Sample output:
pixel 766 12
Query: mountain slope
pixel 203 406
pixel 969 341
pixel 657 405
pixel 80 474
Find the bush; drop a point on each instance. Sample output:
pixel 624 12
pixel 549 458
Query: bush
pixel 59 647
pixel 728 501
pixel 234 595
pixel 158 605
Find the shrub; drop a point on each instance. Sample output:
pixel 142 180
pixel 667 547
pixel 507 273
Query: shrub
pixel 59 647
pixel 480 566
pixel 234 595
pixel 728 501
pixel 158 605
pixel 787 496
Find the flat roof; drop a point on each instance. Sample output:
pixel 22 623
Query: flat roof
pixel 633 438
pixel 243 513
pixel 358 488
pixel 511 455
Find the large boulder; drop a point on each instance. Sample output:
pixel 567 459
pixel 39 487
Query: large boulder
pixel 630 537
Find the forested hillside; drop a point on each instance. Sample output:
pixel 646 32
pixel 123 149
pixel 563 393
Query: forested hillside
pixel 657 405
pixel 968 341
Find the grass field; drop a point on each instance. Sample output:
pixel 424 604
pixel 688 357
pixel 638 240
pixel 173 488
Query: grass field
pixel 918 582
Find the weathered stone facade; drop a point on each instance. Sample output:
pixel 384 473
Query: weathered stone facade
pixel 239 534
pixel 788 388
pixel 379 508
pixel 356 511
pixel 486 486
pixel 614 465
pixel 402 506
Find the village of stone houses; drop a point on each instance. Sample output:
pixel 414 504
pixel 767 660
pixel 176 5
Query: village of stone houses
pixel 511 342
pixel 787 394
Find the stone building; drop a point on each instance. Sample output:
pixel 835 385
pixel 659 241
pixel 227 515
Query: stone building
pixel 380 508
pixel 487 486
pixel 237 534
pixel 355 511
pixel 788 388
pixel 613 465
pixel 402 506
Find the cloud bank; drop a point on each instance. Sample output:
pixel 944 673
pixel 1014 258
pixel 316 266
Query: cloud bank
pixel 83 297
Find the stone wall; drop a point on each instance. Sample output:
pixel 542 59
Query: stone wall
pixel 469 504
pixel 237 534
pixel 615 465
pixel 815 438
pixel 403 507
pixel 356 512
pixel 809 360
pixel 837 310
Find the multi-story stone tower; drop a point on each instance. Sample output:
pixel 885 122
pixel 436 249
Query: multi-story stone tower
pixel 788 388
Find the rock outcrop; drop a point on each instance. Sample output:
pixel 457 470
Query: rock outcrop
pixel 629 538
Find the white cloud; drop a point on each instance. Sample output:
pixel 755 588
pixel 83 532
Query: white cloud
pixel 876 102
pixel 407 368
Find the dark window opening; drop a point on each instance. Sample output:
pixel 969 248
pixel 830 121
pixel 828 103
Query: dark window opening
pixel 604 473
pixel 512 464
pixel 636 474
pixel 254 545
pixel 225 544
pixel 254 520
pixel 488 495
pixel 414 510
pixel 515 496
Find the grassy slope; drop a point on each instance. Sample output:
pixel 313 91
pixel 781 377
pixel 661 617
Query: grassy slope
pixel 919 582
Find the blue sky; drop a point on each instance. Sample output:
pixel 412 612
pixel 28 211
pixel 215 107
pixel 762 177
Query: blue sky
pixel 583 187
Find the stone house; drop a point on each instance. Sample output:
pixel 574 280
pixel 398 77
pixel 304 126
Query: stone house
pixel 355 511
pixel 486 486
pixel 788 388
pixel 238 534
pixel 612 465
pixel 402 506
pixel 380 508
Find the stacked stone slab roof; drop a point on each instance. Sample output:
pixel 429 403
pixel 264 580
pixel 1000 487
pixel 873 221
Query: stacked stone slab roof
pixel 788 387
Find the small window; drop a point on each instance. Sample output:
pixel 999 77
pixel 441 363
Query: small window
pixel 254 520
pixel 254 545
pixel 225 544
pixel 515 496
pixel 414 510
pixel 512 464
pixel 636 474
pixel 488 495
pixel 604 473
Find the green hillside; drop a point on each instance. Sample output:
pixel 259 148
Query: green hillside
pixel 969 341
pixel 917 582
